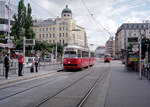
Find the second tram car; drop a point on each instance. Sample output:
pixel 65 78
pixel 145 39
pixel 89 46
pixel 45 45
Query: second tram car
pixel 76 57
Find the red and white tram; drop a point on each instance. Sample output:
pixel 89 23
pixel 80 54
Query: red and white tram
pixel 76 57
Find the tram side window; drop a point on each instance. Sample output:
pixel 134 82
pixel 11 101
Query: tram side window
pixel 70 54
pixel 79 53
pixel 85 54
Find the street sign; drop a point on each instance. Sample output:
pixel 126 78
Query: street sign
pixel 135 48
pixel 30 42
pixel 133 58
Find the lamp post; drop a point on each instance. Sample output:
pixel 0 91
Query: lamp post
pixel 8 41
pixel 56 51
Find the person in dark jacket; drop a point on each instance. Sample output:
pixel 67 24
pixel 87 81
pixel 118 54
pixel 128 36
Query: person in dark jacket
pixel 36 61
pixel 6 64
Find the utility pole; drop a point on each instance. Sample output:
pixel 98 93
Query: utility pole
pixel 56 50
pixel 140 61
pixel 8 41
pixel 24 47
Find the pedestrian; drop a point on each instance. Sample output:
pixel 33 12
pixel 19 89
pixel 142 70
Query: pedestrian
pixel 36 61
pixel 20 65
pixel 6 64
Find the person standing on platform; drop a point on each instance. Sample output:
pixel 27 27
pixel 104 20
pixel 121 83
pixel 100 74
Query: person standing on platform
pixel 20 65
pixel 36 61
pixel 6 64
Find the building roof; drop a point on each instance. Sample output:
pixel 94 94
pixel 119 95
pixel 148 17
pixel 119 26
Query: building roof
pixel 133 26
pixel 66 10
pixel 45 23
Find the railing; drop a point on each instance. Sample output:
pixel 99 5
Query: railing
pixel 42 65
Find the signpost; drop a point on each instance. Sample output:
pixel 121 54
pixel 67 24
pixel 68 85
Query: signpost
pixel 135 48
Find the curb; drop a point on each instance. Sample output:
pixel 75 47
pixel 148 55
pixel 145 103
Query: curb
pixel 26 78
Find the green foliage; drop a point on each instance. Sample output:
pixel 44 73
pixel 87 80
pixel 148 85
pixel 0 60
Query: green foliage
pixel 23 24
pixel 145 43
pixel 44 46
pixel 2 39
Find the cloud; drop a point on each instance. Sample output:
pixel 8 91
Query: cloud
pixel 107 14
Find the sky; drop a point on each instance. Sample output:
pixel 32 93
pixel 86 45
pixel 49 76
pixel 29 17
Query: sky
pixel 98 17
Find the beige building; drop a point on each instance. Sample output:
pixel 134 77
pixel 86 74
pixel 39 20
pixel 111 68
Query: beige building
pixel 109 46
pixel 61 30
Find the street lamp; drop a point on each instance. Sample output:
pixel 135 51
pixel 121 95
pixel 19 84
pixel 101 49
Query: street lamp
pixel 8 8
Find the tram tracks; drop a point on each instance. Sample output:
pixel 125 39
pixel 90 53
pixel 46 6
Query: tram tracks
pixel 48 80
pixel 100 78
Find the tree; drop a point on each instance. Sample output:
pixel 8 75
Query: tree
pixel 19 21
pixel 2 39
pixel 23 24
pixel 29 23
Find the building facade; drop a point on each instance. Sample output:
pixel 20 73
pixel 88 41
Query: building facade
pixel 109 46
pixel 100 51
pixel 4 15
pixel 128 33
pixel 61 30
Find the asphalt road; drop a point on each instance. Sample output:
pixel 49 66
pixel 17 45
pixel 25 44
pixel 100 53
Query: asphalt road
pixel 103 85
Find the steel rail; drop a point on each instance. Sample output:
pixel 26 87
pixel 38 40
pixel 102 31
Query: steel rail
pixel 50 97
pixel 101 77
pixel 22 91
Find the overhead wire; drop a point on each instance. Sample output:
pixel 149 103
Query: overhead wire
pixel 98 24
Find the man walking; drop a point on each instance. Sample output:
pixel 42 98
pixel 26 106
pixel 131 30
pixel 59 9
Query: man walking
pixel 6 64
pixel 36 60
pixel 20 65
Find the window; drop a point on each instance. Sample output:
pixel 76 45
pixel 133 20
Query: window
pixel 43 35
pixel 85 54
pixel 70 54
pixel 49 29
pixel 50 35
pixel 46 35
pixel 49 40
pixel 40 36
pixel 40 29
pixel 60 41
pixel 53 41
pixel 63 34
pixel 59 34
pixel 43 29
pixel 66 34
pixel 60 28
pixel 46 29
pixel 135 26
pixel 53 29
pixel 53 35
pixel 79 53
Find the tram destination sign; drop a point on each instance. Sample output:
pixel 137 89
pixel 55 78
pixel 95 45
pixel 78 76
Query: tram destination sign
pixel 133 39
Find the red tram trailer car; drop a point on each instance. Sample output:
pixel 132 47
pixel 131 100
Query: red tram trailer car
pixel 76 57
